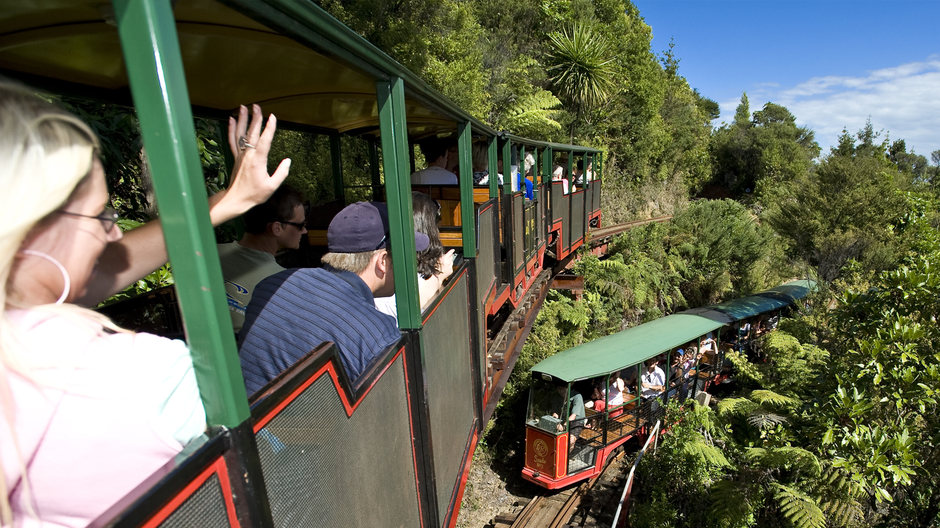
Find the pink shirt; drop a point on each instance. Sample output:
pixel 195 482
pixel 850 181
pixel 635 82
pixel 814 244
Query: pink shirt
pixel 111 410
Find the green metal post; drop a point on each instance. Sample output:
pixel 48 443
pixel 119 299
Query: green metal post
pixel 492 150
pixel 597 166
pixel 467 210
pixel 394 130
pixel 158 84
pixel 547 165
pixel 336 161
pixel 571 170
pixel 507 169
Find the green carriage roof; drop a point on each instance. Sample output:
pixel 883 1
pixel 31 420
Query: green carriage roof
pixel 791 291
pixel 765 301
pixel 636 344
pixel 625 348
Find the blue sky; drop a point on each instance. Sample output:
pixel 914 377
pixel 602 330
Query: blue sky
pixel 832 63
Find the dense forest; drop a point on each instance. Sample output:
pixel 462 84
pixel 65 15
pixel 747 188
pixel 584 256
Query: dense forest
pixel 837 423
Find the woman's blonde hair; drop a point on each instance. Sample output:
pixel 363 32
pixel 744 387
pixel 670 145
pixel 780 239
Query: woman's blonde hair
pixel 45 154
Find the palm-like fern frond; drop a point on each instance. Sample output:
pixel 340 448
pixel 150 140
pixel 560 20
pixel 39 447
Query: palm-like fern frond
pixel 736 407
pixel 791 458
pixel 729 503
pixel 533 112
pixel 763 419
pixel 799 508
pixel 839 498
pixel 766 397
pixel 702 450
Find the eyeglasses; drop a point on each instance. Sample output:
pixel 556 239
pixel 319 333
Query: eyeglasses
pixel 107 218
pixel 298 225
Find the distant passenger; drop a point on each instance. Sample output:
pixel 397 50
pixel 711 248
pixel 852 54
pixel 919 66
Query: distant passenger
pixel 481 165
pixel 293 312
pixel 524 182
pixel 609 398
pixel 434 265
pixel 277 224
pixel 580 175
pixel 653 380
pixel 573 407
pixel 441 156
pixel 558 174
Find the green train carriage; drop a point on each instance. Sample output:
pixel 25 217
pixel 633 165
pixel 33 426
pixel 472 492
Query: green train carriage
pixel 404 438
pixel 559 382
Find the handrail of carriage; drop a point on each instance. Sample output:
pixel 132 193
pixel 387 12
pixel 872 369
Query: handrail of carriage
pixel 654 434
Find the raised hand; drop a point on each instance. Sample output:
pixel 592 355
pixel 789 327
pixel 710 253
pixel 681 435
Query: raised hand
pixel 251 183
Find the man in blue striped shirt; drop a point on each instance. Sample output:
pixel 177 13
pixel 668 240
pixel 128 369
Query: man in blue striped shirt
pixel 294 311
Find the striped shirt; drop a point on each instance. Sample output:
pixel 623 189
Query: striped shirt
pixel 296 310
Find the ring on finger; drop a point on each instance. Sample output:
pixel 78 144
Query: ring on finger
pixel 243 143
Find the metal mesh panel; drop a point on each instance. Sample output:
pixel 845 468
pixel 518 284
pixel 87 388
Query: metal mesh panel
pixel 558 198
pixel 651 410
pixel 596 190
pixel 318 463
pixel 577 217
pixel 204 508
pixel 486 273
pixel 450 389
pixel 485 261
pixel 518 233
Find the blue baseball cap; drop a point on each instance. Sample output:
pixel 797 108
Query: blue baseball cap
pixel 363 226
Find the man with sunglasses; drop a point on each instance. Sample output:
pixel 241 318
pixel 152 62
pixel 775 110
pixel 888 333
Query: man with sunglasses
pixel 293 312
pixel 273 226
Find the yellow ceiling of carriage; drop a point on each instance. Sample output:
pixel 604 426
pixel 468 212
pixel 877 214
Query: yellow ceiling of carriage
pixel 229 60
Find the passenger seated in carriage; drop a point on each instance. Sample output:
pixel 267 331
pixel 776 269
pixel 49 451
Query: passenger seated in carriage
pixel 90 410
pixel 574 408
pixel 481 165
pixel 441 157
pixel 275 225
pixel 653 380
pixel 558 174
pixel 293 312
pixel 434 265
pixel 610 399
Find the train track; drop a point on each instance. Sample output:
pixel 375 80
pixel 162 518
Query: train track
pixel 585 504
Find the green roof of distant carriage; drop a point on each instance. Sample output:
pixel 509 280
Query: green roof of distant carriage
pixel 790 291
pixel 625 348
pixel 749 306
pixel 765 301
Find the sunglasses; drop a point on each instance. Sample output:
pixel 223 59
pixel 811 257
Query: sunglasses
pixel 107 218
pixel 298 225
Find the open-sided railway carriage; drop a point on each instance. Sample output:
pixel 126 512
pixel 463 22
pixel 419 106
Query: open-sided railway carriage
pixel 310 449
pixel 564 382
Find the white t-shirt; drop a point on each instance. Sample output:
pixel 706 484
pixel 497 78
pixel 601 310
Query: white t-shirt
pixel 434 175
pixel 657 377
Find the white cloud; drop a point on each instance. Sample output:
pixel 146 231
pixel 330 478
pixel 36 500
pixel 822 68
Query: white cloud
pixel 904 101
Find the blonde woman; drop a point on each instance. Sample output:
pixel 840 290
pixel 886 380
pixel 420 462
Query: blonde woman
pixel 89 410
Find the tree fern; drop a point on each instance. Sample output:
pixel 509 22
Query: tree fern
pixel 790 458
pixel 735 406
pixel 706 452
pixel 763 419
pixel 533 112
pixel 839 497
pixel 730 504
pixel 798 508
pixel 766 397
